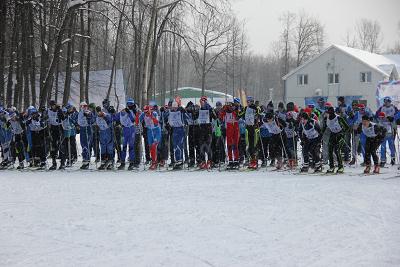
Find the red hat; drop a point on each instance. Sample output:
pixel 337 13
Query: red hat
pixel 361 105
pixel 381 114
pixel 203 98
pixel 308 110
pixel 328 104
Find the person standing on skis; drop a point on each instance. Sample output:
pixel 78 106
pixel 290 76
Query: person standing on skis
pixel 206 115
pixel 37 127
pixel 230 117
pixel 291 134
pixel 127 117
pixel 338 127
pixel 54 115
pixel 251 114
pixel 151 122
pixel 275 126
pixel 310 136
pixel 85 122
pixel 19 138
pixel 177 121
pixel 374 134
pixel 390 127
pixel 104 122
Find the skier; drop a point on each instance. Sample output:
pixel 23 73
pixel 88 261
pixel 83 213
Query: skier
pixel 19 138
pixel 275 126
pixel 54 114
pixel 251 115
pixel 310 136
pixel 230 117
pixel 177 121
pixel 338 127
pixel 85 122
pixel 291 135
pixel 37 127
pixel 5 139
pixel 68 123
pixel 150 119
pixel 217 142
pixel 389 125
pixel 374 137
pixel 206 115
pixel 193 133
pixel 104 122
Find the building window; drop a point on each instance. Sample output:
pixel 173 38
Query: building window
pixel 302 79
pixel 333 78
pixel 365 77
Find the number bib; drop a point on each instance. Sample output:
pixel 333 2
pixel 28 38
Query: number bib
pixel 250 116
pixel 125 119
pixel 175 119
pixel 204 116
pixel 102 123
pixel 334 125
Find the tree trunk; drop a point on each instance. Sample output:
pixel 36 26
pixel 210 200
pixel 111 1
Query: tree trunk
pixel 115 50
pixel 48 82
pixel 32 64
pixel 13 52
pixel 70 61
pixel 82 61
pixel 3 18
pixel 147 51
pixel 89 47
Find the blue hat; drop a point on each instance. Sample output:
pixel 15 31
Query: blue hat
pixel 236 100
pixel 387 99
pixel 130 101
pixel 218 103
pixel 250 98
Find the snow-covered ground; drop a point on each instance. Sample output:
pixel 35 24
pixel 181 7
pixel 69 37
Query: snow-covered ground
pixel 198 219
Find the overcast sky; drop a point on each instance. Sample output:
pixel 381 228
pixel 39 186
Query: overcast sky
pixel 338 16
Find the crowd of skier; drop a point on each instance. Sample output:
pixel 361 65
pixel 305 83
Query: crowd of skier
pixel 227 136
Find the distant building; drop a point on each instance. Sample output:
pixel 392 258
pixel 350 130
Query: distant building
pixel 341 71
pixel 194 94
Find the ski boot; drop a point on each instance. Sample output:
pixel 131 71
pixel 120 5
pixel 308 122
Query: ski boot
pixel 393 161
pixel 304 169
pixel 331 170
pixel 264 164
pixel 383 163
pixel 162 163
pixel 208 165
pixel 367 169
pixel 376 169
pixel 121 167
pixel 178 165
pixel 21 166
pixel 42 166
pixel 253 165
pixel 131 166
pixel 340 170
pixel 85 165
pixel 191 164
pixel 110 165
pixel 279 165
pixel 318 168
pixel 352 162
pixel 272 164
pixel 62 167
pixel 291 164
pixel 53 167
pixel 153 166
pixel 103 166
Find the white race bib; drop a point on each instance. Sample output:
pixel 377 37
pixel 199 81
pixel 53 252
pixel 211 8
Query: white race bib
pixel 175 119
pixel 204 116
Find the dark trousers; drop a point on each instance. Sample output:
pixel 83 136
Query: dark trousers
pixel 55 143
pixel 371 145
pixel 336 142
pixel 312 147
pixel 38 145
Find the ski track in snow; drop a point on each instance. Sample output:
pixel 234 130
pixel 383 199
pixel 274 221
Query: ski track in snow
pixel 198 219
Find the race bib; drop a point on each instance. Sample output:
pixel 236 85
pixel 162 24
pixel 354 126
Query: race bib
pixel 204 116
pixel 249 116
pixel 175 119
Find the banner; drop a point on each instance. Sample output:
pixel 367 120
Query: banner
pixel 390 89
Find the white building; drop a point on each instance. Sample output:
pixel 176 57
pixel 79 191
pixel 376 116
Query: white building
pixel 341 71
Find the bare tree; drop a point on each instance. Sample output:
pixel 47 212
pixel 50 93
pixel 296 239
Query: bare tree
pixel 207 41
pixel 369 35
pixel 308 37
